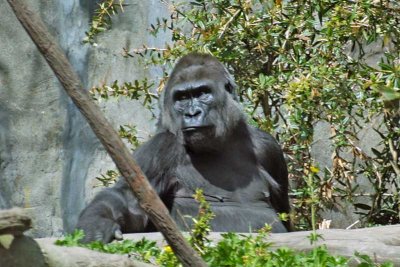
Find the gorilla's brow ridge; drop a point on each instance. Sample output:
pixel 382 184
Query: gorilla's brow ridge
pixel 192 86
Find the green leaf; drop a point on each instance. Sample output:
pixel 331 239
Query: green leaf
pixel 388 94
pixel 362 206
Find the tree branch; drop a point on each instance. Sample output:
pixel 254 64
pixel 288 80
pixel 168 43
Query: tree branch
pixel 147 197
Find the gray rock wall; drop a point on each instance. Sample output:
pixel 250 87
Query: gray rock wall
pixel 49 157
pixel 342 215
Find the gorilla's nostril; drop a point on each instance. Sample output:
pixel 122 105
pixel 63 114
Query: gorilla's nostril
pixel 193 113
pixel 197 113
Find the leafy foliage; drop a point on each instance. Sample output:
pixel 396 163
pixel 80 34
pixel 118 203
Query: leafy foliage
pixel 129 133
pixel 109 178
pixel 133 90
pixel 71 240
pixel 233 250
pixel 143 250
pixel 101 21
pixel 201 227
pixel 299 64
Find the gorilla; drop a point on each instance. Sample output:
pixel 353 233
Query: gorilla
pixel 202 141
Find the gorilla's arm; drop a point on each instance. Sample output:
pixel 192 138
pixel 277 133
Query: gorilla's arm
pixel 270 156
pixel 109 213
pixel 115 210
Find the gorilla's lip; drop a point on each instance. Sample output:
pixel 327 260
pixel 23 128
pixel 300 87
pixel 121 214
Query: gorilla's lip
pixel 194 128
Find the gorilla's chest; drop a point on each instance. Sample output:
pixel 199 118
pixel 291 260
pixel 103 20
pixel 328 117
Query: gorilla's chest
pixel 227 171
pixel 230 216
pixel 236 188
pixel 239 201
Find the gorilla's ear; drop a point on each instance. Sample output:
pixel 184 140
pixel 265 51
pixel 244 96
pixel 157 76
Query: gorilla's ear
pixel 230 85
pixel 231 88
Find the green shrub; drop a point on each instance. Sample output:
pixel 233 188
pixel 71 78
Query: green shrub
pixel 232 250
pixel 300 63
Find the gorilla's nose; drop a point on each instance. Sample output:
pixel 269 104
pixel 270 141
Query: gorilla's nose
pixel 193 117
pixel 192 113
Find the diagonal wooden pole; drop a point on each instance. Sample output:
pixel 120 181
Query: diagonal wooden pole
pixel 147 197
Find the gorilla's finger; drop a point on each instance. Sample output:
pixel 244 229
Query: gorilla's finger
pixel 118 235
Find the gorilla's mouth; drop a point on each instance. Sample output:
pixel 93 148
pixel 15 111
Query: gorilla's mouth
pixel 189 129
pixel 197 136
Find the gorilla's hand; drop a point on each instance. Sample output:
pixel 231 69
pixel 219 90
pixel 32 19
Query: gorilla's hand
pixel 97 228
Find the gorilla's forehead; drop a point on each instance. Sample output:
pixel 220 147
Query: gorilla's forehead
pixel 198 74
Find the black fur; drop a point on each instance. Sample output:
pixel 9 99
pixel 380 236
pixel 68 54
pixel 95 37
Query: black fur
pixel 203 141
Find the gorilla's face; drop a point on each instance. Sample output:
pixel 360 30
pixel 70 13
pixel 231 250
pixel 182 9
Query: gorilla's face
pixel 199 104
pixel 193 104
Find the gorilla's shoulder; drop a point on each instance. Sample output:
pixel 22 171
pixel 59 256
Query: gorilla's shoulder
pixel 162 142
pixel 269 154
pixel 262 139
pixel 160 154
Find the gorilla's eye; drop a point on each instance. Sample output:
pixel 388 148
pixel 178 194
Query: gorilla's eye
pixel 197 92
pixel 201 91
pixel 180 96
